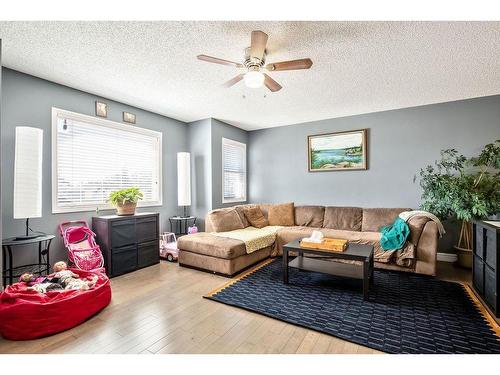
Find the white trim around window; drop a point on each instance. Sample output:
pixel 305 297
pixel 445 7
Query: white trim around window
pixel 99 155
pixel 234 171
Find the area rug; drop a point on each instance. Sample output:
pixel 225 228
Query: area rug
pixel 406 313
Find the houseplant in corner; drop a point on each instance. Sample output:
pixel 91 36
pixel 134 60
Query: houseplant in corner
pixel 465 188
pixel 125 200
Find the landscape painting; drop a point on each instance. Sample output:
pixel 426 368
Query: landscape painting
pixel 337 151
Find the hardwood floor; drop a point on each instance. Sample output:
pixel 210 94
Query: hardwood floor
pixel 160 309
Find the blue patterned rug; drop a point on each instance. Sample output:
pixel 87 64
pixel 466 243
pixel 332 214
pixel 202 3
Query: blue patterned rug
pixel 406 313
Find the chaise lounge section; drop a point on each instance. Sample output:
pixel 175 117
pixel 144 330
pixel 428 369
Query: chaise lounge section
pixel 210 251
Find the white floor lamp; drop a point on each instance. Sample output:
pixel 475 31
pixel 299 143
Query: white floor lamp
pixel 184 180
pixel 28 176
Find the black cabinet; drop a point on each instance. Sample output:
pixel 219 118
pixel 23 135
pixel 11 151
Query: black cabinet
pixel 128 242
pixel 485 271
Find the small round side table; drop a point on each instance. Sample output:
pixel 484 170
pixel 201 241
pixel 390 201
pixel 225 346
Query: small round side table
pixel 179 225
pixel 10 272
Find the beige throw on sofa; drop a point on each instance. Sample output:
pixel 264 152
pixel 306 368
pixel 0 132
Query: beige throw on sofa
pixel 254 238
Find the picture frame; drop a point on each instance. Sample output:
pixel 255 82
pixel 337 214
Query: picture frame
pixel 101 109
pixel 129 117
pixel 338 151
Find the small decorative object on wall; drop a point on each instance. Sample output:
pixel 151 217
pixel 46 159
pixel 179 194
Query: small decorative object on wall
pixel 337 151
pixel 101 109
pixel 129 117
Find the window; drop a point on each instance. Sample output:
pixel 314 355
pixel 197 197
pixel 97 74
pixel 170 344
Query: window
pixel 92 157
pixel 234 171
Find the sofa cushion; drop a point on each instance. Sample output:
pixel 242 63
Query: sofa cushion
pixel 208 244
pixel 225 219
pixel 240 209
pixel 343 218
pixel 309 216
pixel 375 218
pixel 281 214
pixel 255 217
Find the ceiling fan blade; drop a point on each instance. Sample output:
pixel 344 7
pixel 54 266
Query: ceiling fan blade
pixel 290 65
pixel 258 46
pixel 271 84
pixel 218 61
pixel 234 80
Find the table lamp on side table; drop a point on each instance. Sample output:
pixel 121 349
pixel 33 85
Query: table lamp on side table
pixel 28 176
pixel 184 180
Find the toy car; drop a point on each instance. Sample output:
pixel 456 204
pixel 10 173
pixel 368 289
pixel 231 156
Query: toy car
pixel 168 247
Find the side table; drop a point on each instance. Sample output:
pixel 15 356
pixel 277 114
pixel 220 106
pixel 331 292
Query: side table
pixel 179 225
pixel 10 272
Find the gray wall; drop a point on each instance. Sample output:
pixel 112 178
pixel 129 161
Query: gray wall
pixel 400 142
pixel 205 145
pixel 200 133
pixel 27 101
pixel 222 130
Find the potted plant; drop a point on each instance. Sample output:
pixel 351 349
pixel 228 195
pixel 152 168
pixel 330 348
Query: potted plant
pixel 125 200
pixel 465 188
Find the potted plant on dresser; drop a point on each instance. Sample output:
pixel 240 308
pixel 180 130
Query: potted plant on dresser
pixel 465 188
pixel 125 200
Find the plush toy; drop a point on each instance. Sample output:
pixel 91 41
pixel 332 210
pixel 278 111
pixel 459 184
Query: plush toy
pixel 41 284
pixel 70 280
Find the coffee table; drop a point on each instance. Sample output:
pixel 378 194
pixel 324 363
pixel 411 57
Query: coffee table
pixel 354 252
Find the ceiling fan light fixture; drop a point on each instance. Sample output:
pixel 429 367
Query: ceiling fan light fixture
pixel 254 79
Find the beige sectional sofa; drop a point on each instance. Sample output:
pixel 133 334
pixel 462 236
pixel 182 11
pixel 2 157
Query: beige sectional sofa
pixel 227 256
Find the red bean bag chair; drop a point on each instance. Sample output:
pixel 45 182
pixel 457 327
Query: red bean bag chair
pixel 26 314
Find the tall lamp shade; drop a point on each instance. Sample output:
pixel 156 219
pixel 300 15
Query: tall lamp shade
pixel 28 173
pixel 183 179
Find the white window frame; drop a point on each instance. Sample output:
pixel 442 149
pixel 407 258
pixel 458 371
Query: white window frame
pixel 56 113
pixel 239 144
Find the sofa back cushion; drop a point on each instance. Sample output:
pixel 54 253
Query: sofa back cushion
pixel 375 218
pixel 223 220
pixel 281 214
pixel 255 217
pixel 309 216
pixel 343 218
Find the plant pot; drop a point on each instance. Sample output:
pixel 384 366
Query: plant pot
pixel 464 259
pixel 124 209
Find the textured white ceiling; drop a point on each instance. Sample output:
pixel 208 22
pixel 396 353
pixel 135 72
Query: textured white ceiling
pixel 359 67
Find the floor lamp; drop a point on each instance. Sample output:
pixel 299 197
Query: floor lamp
pixel 184 180
pixel 28 176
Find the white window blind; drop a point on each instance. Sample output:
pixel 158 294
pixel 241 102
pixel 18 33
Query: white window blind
pixel 92 157
pixel 234 171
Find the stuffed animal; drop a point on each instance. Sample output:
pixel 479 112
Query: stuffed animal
pixel 41 284
pixel 70 280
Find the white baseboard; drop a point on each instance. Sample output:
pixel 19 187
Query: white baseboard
pixel 445 257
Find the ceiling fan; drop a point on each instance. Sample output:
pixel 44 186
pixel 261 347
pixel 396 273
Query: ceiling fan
pixel 255 65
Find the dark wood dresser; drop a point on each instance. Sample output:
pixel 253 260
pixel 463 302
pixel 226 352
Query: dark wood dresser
pixel 485 265
pixel 128 242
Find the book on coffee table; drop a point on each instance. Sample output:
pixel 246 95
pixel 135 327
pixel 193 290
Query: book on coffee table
pixel 327 244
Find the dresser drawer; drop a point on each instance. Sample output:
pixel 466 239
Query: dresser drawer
pixel 490 287
pixel 147 229
pixel 479 241
pixel 148 253
pixel 123 233
pixel 124 259
pixel 478 274
pixel 491 249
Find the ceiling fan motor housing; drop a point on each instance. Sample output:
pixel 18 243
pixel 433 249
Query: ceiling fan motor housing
pixel 252 62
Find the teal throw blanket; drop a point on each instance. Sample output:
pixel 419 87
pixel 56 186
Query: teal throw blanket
pixel 394 236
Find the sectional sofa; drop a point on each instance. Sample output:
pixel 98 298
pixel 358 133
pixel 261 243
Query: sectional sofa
pixel 227 256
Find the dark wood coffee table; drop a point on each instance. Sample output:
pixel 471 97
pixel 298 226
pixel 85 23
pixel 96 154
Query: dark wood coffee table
pixel 354 252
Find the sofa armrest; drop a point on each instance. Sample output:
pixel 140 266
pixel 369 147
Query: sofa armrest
pixel 427 250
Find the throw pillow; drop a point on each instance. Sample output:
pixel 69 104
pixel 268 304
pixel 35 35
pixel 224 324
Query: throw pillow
pixel 255 217
pixel 281 214
pixel 225 220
